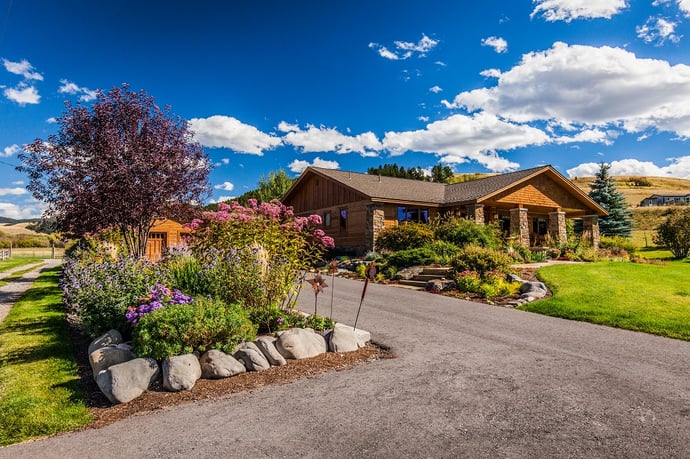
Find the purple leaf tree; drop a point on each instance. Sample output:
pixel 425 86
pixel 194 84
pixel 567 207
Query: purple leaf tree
pixel 121 163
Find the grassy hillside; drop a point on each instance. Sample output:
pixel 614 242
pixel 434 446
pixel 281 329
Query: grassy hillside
pixel 633 193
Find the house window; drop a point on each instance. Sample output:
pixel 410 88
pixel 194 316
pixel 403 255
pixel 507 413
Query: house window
pixel 343 220
pixel 413 214
pixel 327 219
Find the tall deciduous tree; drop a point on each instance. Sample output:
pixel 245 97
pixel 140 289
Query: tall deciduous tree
pixel 121 163
pixel 604 192
pixel 674 233
pixel 272 187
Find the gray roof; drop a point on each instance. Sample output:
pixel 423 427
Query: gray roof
pixel 480 188
pixel 388 188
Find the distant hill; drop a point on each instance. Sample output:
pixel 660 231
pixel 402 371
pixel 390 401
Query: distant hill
pixel 634 193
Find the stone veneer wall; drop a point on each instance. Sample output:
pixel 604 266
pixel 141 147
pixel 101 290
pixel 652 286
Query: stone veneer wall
pixel 557 230
pixel 375 224
pixel 519 225
pixel 590 230
pixel 475 212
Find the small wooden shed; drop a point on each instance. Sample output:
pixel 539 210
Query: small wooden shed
pixel 165 234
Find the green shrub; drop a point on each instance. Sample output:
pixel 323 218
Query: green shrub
pixel 413 257
pixel 315 322
pixel 186 273
pixel 404 236
pixel 444 250
pixel 274 318
pixel 674 233
pixel 462 232
pixel 492 285
pixel 520 253
pixel 184 328
pixel 482 260
pixel 617 243
pixel 468 281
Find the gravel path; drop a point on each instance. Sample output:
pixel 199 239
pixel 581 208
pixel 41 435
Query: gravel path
pixel 10 293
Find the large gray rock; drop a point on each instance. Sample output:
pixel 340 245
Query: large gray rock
pixel 363 336
pixel 217 364
pixel 267 345
pixel 109 338
pixel 128 380
pixel 252 357
pixel 105 357
pixel 409 273
pixel 300 343
pixel 533 290
pixel 181 372
pixel 342 339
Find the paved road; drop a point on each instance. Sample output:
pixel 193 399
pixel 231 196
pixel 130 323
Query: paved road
pixel 470 381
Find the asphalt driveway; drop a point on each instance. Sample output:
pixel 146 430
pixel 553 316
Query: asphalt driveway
pixel 470 380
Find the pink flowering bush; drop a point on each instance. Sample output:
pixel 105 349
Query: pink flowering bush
pixel 254 254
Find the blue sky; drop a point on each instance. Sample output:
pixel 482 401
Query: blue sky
pixel 483 86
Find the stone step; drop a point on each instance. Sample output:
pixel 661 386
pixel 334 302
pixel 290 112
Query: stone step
pixel 438 271
pixel 427 277
pixel 413 283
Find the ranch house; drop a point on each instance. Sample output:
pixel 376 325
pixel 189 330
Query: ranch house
pixel 530 205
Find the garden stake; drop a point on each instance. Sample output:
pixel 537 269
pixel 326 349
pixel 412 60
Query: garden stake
pixel 318 283
pixel 332 270
pixel 370 274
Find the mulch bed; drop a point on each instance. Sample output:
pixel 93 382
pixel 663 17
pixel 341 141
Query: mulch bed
pixel 157 398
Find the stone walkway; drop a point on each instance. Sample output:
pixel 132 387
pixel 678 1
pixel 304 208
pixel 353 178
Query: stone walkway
pixel 10 293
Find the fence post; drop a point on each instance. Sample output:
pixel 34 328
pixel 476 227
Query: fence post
pixel 52 251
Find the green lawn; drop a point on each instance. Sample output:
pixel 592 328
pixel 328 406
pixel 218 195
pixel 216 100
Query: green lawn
pixel 649 298
pixel 39 382
pixel 10 263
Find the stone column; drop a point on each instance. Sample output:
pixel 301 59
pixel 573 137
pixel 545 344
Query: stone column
pixel 475 212
pixel 590 230
pixel 519 225
pixel 557 231
pixel 374 225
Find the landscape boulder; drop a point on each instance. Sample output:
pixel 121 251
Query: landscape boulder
pixel 342 339
pixel 181 372
pixel 126 381
pixel 267 345
pixel 104 357
pixel 300 343
pixel 109 338
pixel 217 364
pixel 439 285
pixel 252 357
pixel 409 273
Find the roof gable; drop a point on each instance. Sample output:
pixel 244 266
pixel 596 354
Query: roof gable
pixel 393 189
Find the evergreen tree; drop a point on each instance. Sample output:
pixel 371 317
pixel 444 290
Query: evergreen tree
pixel 441 174
pixel 603 191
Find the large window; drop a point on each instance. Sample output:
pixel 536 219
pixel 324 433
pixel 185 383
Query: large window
pixel 413 214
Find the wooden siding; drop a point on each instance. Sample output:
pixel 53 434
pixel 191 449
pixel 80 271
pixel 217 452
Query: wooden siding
pixel 541 194
pixel 164 233
pixel 320 193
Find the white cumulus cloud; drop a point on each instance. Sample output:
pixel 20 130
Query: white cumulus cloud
pixel 461 138
pixel 85 94
pixel 23 68
pixel 10 151
pixel 591 87
pixel 323 139
pixel 404 49
pixel 12 191
pixel 225 186
pixel 567 10
pixel 221 131
pixel 11 210
pixel 658 30
pixel 298 166
pixel 435 89
pixel 497 43
pixel 22 94
pixel 677 167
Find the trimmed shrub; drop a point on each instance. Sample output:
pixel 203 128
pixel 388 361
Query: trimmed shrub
pixel 462 232
pixel 482 260
pixel 403 237
pixel 617 244
pixel 444 250
pixel 413 257
pixel 198 326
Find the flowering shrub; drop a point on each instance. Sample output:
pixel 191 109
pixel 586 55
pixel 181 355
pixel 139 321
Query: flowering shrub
pixel 97 289
pixel 252 255
pixel 159 297
pixel 198 326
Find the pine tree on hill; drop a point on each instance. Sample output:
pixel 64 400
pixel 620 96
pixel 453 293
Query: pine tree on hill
pixel 603 191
